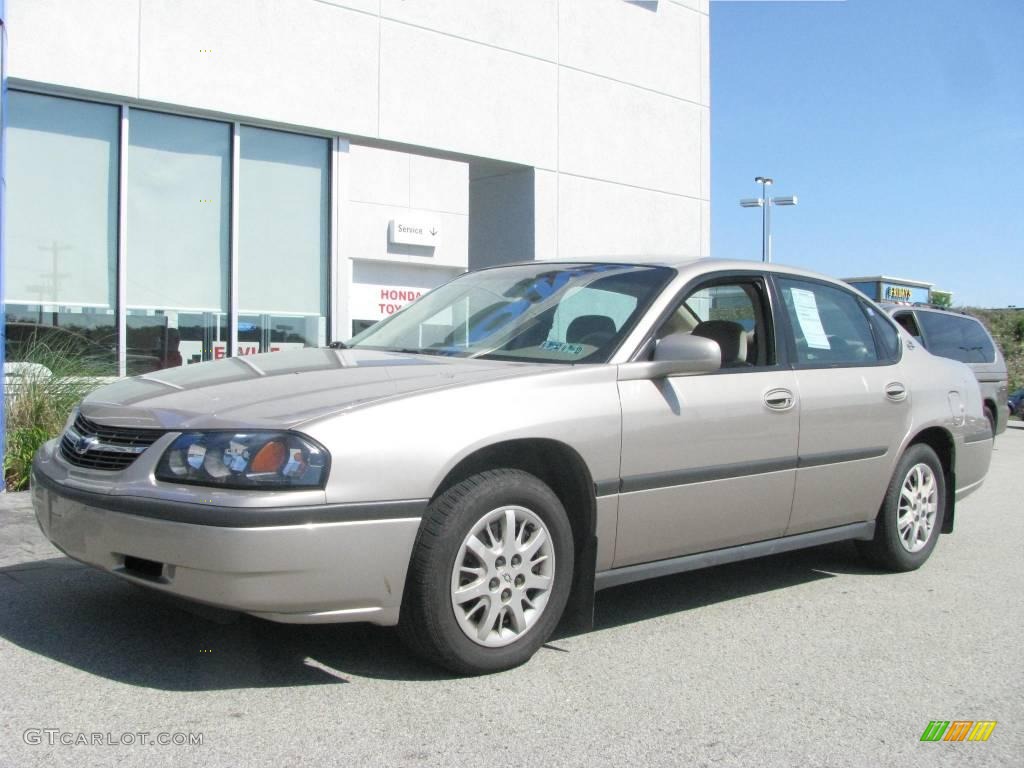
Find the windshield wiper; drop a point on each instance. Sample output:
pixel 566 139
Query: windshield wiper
pixel 412 351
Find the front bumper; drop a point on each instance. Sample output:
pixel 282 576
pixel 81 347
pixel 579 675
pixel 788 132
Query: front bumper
pixel 335 563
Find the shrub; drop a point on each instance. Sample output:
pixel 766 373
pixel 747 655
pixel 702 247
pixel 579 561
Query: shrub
pixel 21 446
pixel 44 380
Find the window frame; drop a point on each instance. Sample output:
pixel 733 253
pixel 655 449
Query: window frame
pixel 919 336
pixel 859 300
pixel 769 301
pixel 883 317
pixel 926 343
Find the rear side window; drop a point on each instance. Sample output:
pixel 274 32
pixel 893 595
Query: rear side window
pixel 887 338
pixel 909 324
pixel 829 326
pixel 957 337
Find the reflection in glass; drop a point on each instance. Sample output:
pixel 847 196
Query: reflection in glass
pixel 179 186
pixel 61 239
pixel 554 313
pixel 283 240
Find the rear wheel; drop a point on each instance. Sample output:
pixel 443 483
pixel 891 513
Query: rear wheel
pixel 910 519
pixel 990 414
pixel 490 573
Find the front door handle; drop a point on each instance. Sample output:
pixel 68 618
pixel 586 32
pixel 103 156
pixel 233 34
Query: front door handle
pixel 895 391
pixel 779 399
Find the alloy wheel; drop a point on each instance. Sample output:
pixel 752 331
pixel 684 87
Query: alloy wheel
pixel 503 576
pixel 918 505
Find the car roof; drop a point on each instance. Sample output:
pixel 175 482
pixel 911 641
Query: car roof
pixel 693 266
pixel 890 307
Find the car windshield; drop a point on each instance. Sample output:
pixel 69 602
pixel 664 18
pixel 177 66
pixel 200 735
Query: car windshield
pixel 543 312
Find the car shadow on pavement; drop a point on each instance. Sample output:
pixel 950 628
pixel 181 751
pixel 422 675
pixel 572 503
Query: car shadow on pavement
pixel 695 589
pixel 107 627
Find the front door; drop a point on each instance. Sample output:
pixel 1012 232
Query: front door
pixel 709 461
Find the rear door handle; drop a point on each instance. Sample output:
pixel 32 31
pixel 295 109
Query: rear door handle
pixel 779 399
pixel 895 391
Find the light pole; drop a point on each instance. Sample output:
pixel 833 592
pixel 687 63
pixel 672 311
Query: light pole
pixel 765 203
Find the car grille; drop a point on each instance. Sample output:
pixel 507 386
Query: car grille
pixel 94 446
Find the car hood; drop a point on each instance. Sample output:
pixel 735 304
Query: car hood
pixel 281 389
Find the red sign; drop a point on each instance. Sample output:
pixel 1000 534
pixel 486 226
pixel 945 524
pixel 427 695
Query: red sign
pixel 391 296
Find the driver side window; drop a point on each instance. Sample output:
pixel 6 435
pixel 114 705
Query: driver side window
pixel 734 315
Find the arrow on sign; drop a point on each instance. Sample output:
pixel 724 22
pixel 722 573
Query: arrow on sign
pixel 433 231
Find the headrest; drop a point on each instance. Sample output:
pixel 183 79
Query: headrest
pixel 585 325
pixel 730 337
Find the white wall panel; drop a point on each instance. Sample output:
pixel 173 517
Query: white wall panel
pixel 656 47
pixel 378 176
pixel 366 6
pixel 625 134
pixel 527 26
pixel 704 63
pixel 439 91
pixel 705 228
pixel 438 185
pixel 597 218
pixel 705 153
pixel 90 44
pixel 303 63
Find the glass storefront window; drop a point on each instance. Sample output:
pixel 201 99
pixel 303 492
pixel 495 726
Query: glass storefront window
pixel 62 258
pixel 62 180
pixel 179 215
pixel 283 239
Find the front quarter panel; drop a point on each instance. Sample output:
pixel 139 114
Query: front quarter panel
pixel 403 448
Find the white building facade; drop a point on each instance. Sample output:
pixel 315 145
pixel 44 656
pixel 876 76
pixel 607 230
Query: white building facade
pixel 191 179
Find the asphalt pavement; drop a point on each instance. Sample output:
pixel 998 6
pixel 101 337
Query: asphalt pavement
pixel 803 659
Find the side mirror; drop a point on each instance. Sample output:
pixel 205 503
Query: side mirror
pixel 678 354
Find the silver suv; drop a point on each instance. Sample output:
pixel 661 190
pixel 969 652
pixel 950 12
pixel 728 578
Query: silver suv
pixel 964 338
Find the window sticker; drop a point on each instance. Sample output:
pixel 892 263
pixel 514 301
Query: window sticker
pixel 809 318
pixel 556 346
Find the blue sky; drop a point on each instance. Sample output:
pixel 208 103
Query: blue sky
pixel 899 124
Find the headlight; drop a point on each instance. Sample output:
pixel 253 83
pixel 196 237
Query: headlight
pixel 244 460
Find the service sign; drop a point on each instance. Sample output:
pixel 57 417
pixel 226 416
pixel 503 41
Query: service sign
pixel 415 230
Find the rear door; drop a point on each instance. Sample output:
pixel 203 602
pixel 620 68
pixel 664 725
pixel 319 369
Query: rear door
pixel 854 400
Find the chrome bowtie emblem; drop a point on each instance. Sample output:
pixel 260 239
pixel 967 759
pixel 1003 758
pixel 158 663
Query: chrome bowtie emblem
pixel 85 444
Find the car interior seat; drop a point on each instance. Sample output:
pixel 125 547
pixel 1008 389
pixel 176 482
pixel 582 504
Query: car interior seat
pixel 595 330
pixel 730 337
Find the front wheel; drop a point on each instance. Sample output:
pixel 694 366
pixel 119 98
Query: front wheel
pixel 910 519
pixel 490 573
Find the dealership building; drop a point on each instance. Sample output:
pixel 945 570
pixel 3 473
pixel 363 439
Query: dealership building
pixel 190 179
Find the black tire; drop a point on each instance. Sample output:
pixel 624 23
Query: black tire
pixel 428 623
pixel 887 550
